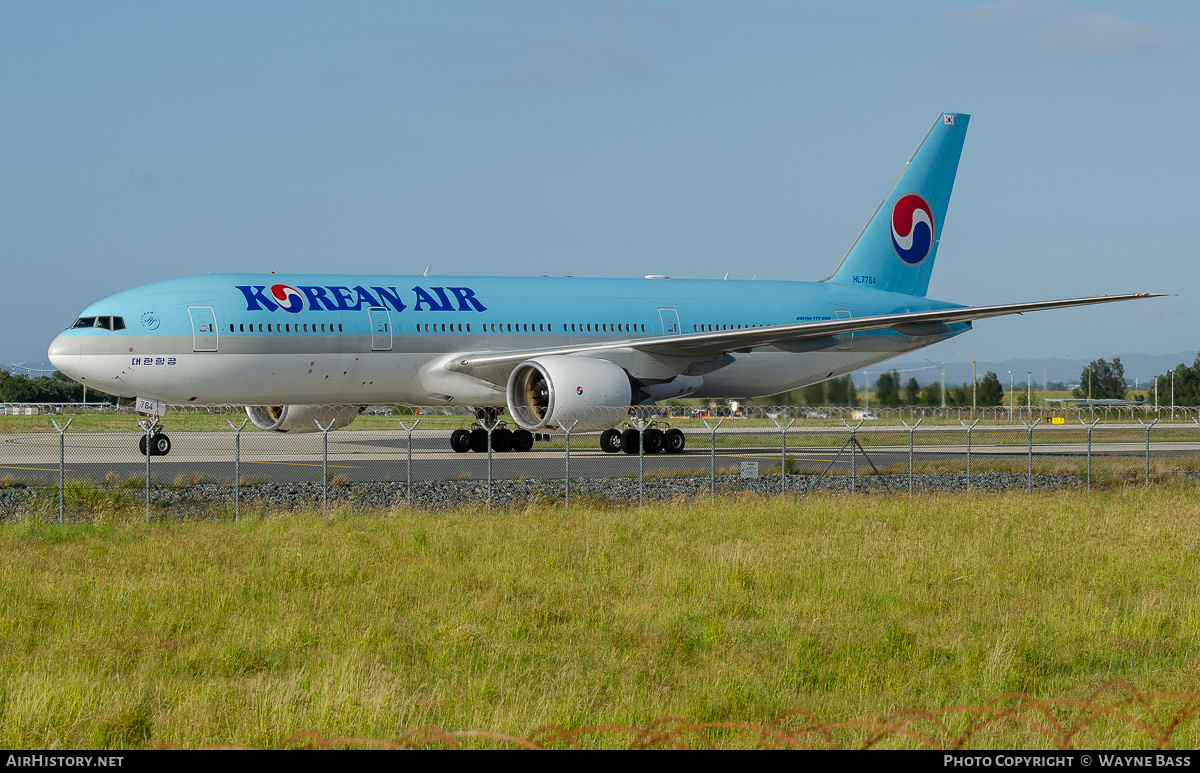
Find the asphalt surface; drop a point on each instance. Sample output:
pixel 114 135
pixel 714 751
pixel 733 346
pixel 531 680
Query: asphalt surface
pixel 373 455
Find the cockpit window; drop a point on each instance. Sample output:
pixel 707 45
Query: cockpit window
pixel 104 323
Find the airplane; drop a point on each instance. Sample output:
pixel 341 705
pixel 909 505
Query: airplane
pixel 558 353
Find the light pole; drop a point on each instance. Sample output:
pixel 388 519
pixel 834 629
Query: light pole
pixel 974 387
pixel 1010 396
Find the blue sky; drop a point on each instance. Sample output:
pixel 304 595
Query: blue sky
pixel 141 141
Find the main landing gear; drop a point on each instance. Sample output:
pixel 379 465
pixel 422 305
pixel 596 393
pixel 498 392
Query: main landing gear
pixel 503 439
pixel 160 444
pixel 654 440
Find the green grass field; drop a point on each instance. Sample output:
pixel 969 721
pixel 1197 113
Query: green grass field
pixel 373 625
pixel 200 420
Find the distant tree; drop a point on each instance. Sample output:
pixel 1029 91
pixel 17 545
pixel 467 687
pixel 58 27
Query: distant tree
pixel 887 388
pixel 912 392
pixel 1187 384
pixel 830 392
pixel 1102 380
pixel 815 394
pixel 842 391
pixel 932 394
pixel 989 391
pixel 58 388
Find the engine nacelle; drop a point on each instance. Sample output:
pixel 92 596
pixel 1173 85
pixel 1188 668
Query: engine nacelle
pixel 563 389
pixel 302 418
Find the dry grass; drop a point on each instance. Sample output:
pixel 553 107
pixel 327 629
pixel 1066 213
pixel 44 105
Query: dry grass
pixel 122 634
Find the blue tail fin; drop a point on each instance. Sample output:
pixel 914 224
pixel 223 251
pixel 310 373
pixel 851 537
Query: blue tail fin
pixel 895 252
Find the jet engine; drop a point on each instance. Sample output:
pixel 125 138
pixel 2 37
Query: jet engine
pixel 559 390
pixel 302 418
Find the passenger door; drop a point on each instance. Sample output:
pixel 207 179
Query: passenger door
pixel 381 329
pixel 670 321
pixel 204 328
pixel 847 340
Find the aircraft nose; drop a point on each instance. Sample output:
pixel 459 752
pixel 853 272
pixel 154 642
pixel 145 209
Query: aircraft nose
pixel 65 354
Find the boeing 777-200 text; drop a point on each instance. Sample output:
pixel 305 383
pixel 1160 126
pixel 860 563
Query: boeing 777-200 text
pixel 556 352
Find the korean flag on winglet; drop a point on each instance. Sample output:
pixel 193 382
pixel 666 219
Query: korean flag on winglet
pixel 948 119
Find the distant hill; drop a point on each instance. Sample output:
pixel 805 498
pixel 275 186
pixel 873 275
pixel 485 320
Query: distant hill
pixel 1142 367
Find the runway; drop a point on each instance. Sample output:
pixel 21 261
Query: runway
pixel 374 455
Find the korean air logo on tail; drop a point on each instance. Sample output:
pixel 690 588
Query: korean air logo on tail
pixel 288 298
pixel 912 228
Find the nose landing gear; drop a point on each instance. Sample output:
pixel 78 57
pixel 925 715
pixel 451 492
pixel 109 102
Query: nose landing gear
pixel 160 444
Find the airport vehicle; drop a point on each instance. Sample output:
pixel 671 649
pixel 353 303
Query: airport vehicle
pixel 556 352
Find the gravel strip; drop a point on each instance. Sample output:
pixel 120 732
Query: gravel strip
pixel 197 499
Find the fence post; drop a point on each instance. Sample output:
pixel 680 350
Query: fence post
pixel 641 460
pixel 324 464
pixel 712 465
pixel 237 470
pixel 148 428
pixel 783 453
pixel 488 427
pixel 408 445
pixel 853 442
pixel 969 428
pixel 1029 472
pixel 1090 427
pixel 1148 426
pixel 911 430
pixel 567 464
pixel 62 457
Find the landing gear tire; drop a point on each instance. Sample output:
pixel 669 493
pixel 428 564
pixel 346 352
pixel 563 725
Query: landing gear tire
pixel 460 441
pixel 610 441
pixel 160 445
pixel 522 440
pixel 502 440
pixel 629 441
pixel 653 441
pixel 478 441
pixel 674 440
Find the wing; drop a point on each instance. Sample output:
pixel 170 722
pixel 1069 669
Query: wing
pixel 495 366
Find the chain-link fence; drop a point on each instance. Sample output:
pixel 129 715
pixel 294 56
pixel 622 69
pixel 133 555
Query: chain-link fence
pixel 215 460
